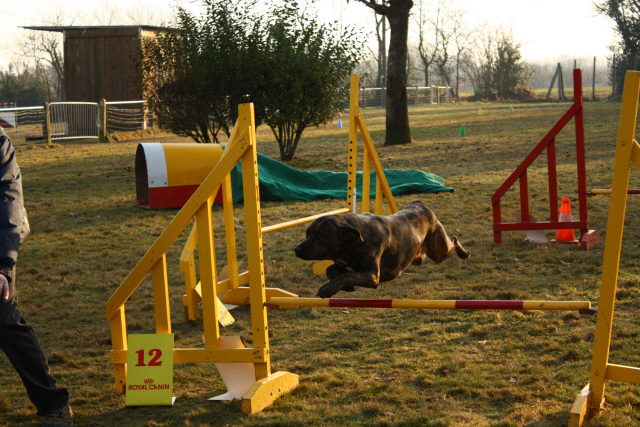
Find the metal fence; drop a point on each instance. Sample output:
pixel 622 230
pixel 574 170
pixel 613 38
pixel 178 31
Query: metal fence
pixel 73 120
pixel 375 97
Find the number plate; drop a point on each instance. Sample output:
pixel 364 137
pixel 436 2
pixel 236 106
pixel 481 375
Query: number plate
pixel 150 370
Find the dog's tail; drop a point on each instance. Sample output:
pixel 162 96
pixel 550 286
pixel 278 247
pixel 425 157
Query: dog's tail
pixel 460 251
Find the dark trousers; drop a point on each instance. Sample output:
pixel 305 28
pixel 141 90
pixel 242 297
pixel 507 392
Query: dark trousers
pixel 19 342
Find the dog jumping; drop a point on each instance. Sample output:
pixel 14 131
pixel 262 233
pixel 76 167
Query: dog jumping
pixel 368 249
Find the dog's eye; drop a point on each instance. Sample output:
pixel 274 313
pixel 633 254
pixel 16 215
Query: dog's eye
pixel 317 235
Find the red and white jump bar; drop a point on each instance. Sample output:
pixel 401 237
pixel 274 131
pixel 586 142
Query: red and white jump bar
pixel 289 302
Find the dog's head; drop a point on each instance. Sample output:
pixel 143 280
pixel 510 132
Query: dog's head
pixel 327 238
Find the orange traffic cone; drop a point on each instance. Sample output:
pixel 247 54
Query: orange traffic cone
pixel 565 216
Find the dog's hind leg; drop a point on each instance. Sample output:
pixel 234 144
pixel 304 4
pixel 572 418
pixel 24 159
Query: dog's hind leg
pixel 460 251
pixel 439 246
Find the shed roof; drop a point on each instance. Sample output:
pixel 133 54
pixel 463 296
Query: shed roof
pixel 62 28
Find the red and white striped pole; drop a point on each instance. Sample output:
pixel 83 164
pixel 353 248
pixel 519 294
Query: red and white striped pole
pixel 290 302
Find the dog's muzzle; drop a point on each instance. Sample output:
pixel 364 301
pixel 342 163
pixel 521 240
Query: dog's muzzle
pixel 299 251
pixel 305 251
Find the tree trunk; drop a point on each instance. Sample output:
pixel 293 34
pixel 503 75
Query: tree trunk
pixel 426 73
pixel 398 131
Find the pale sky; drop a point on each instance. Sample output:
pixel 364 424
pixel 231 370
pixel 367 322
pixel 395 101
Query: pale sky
pixel 545 28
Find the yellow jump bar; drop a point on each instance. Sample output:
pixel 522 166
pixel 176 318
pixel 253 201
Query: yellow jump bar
pixel 302 220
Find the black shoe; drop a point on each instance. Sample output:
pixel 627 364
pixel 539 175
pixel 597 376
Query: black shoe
pixel 62 417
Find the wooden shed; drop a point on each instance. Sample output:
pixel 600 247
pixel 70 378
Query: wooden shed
pixel 103 62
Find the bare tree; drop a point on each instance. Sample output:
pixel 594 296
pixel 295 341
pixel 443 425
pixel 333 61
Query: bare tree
pixel 461 39
pixel 445 32
pixel 477 62
pixel 442 39
pixel 106 13
pixel 45 47
pixel 427 39
pixel 381 58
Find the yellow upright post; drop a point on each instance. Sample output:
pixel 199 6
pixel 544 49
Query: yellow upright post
pixel 161 296
pixel 229 225
pixel 188 270
pixel 352 167
pixel 208 275
pixel 591 399
pixel 255 255
pixel 119 342
pixel 366 181
pixel 268 387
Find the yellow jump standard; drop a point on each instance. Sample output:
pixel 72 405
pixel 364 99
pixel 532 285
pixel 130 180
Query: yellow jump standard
pixel 591 399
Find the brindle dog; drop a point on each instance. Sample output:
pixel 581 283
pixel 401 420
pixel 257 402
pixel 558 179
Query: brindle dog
pixel 368 249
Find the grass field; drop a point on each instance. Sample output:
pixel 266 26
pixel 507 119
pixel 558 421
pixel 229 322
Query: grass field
pixel 357 367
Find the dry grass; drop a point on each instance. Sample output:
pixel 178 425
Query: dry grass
pixel 358 367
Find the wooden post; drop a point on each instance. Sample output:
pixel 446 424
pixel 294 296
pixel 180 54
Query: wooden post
pixel 560 83
pixel 102 108
pixel 553 81
pixel 145 116
pixel 593 81
pixel 613 76
pixel 47 121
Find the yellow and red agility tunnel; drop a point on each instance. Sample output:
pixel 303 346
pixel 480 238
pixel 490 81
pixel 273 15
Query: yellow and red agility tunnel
pixel 168 174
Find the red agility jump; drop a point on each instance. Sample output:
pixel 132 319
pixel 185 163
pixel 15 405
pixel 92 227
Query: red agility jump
pixel 588 237
pixel 289 302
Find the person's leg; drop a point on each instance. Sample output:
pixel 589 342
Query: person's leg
pixel 19 342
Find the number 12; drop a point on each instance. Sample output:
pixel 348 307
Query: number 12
pixel 155 360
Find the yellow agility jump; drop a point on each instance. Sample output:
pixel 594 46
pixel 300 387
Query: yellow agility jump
pixel 268 386
pixel 213 291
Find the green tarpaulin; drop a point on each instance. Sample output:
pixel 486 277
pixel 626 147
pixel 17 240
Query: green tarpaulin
pixel 279 182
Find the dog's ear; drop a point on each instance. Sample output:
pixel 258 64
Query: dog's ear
pixel 349 232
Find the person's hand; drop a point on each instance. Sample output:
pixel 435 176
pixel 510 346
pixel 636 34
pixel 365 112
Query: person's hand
pixel 4 288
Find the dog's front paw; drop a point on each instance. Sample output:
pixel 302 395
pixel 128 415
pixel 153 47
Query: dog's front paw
pixel 327 291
